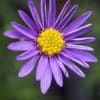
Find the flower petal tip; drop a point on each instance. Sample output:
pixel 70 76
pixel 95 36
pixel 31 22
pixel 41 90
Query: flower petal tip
pixel 90 24
pixel 13 23
pixel 6 33
pixel 69 2
pixel 18 59
pixel 95 60
pixel 43 91
pixel 76 6
pixel 20 11
pixel 60 84
pixel 83 76
pixel 20 75
pixel 9 47
pixel 90 13
pixel 67 75
pixel 30 2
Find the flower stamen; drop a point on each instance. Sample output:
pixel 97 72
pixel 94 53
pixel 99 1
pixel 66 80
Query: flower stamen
pixel 50 42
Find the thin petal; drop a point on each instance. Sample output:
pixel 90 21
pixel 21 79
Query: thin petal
pixel 27 68
pixel 41 67
pixel 67 54
pixel 78 32
pixel 62 67
pixel 82 40
pixel 28 21
pixel 51 13
pixel 67 18
pixel 34 13
pixel 79 47
pixel 86 56
pixel 21 46
pixel 73 67
pixel 14 34
pixel 43 13
pixel 46 80
pixel 28 54
pixel 63 11
pixel 77 22
pixel 23 30
pixel 56 71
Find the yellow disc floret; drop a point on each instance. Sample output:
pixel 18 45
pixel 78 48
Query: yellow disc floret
pixel 50 42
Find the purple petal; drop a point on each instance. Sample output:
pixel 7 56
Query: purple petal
pixel 73 67
pixel 78 32
pixel 78 22
pixel 69 55
pixel 62 67
pixel 79 47
pixel 34 13
pixel 27 68
pixel 23 30
pixel 51 13
pixel 21 46
pixel 81 40
pixel 46 80
pixel 67 18
pixel 28 54
pixel 85 56
pixel 28 21
pixel 14 34
pixel 63 11
pixel 41 67
pixel 43 13
pixel 56 71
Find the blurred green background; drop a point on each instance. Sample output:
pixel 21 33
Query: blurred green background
pixel 13 88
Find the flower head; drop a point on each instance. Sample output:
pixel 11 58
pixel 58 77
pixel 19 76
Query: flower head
pixel 57 44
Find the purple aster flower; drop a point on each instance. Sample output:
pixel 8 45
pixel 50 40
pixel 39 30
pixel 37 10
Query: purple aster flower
pixel 54 45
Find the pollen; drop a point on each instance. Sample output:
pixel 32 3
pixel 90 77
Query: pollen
pixel 50 42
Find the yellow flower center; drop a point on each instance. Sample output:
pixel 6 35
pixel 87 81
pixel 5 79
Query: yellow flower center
pixel 50 42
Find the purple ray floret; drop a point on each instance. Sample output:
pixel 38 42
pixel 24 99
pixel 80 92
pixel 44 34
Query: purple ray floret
pixel 55 45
